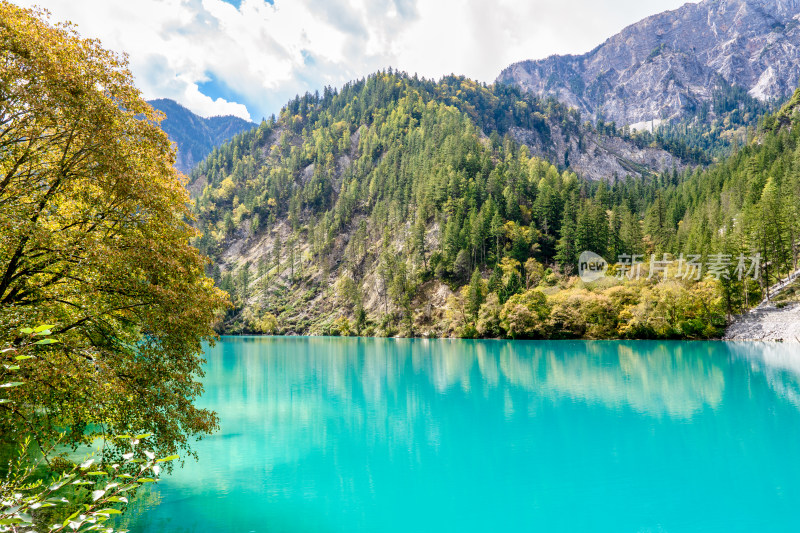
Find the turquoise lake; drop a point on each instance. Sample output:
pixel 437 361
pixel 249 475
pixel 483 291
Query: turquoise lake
pixel 332 435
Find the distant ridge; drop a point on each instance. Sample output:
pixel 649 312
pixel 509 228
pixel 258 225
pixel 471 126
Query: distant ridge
pixel 196 136
pixel 668 66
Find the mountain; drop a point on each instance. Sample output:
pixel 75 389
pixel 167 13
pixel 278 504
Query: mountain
pixel 194 135
pixel 407 206
pixel 678 65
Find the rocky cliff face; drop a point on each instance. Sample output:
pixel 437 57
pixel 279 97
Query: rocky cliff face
pixel 666 66
pixel 596 157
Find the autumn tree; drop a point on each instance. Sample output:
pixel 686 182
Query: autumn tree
pixel 524 315
pixel 95 240
pixel 534 272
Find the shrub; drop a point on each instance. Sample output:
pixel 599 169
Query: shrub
pixel 525 315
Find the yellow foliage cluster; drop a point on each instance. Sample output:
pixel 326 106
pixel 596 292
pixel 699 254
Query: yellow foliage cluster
pixel 601 310
pixel 94 239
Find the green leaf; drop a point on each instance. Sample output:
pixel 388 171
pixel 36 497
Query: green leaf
pixel 60 483
pixel 46 341
pixel 143 436
pixel 43 328
pixel 11 367
pixel 12 384
pixel 146 480
pixel 168 458
pixel 23 357
pixel 70 517
pixel 27 331
pixel 110 510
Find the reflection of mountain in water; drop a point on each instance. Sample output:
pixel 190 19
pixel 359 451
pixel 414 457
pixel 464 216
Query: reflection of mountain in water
pixel 413 435
pixel 661 379
pixel 673 379
pixel 294 398
pixel 780 364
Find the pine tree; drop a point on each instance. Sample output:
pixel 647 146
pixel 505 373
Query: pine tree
pixel 419 241
pixel 496 279
pixel 476 294
pixel 243 282
pixel 263 267
pixel 461 266
pixel 277 246
pixel 497 234
pixel 566 251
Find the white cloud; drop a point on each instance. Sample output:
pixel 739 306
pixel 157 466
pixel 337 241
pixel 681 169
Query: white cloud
pixel 262 54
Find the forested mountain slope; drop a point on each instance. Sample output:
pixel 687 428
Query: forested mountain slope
pixel 386 208
pixel 748 204
pixel 194 135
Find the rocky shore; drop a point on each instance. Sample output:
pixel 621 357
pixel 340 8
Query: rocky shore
pixel 767 323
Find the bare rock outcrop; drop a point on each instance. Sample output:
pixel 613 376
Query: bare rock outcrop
pixel 667 65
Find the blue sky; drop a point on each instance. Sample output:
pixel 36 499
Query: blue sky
pixel 249 57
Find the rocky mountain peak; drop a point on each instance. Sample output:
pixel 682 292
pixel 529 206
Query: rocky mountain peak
pixel 667 65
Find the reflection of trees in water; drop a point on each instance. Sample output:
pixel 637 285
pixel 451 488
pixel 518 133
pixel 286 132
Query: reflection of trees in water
pixel 368 385
pixel 297 414
pixel 778 362
pixel 655 378
pixel 145 499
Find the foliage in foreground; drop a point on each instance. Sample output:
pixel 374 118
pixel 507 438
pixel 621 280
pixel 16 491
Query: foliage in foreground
pixel 41 487
pixel 94 241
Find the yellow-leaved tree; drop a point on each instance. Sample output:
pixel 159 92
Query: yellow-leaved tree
pixel 95 239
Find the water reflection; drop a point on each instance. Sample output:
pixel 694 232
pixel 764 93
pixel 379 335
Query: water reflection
pixel 657 380
pixel 291 381
pixel 779 362
pixel 328 434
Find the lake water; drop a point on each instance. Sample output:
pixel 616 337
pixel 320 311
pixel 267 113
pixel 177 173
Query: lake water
pixel 332 435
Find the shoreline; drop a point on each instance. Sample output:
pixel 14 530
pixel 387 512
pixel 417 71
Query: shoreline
pixel 769 323
pixel 354 337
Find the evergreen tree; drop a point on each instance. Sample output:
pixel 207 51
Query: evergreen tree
pixel 277 246
pixel 243 282
pixel 461 266
pixel 476 294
